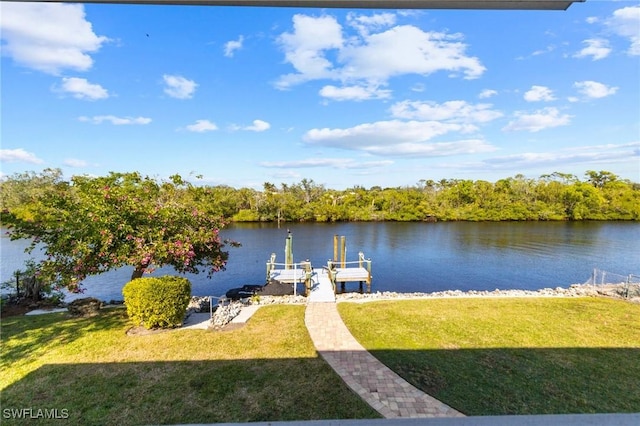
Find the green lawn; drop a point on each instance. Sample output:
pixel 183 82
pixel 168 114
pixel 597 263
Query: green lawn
pixel 481 356
pixel 267 370
pixel 509 356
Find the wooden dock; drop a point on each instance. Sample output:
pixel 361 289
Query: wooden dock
pixel 325 279
pixel 289 276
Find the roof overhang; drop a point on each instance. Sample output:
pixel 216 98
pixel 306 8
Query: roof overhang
pixel 355 4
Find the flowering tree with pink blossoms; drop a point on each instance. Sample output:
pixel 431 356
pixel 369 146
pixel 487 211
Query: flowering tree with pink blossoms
pixel 91 225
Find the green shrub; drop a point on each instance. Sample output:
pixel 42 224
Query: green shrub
pixel 246 215
pixel 157 302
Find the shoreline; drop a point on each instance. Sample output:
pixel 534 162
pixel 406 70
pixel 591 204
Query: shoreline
pixel 623 291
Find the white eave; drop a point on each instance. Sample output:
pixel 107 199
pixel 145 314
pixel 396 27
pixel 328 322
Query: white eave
pixel 356 4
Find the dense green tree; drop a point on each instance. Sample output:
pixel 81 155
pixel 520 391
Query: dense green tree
pixel 21 190
pixel 601 178
pixel 556 196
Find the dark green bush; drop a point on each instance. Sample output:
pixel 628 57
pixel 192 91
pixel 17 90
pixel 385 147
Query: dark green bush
pixel 157 302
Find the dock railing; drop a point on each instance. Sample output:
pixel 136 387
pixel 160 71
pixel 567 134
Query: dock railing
pixel 357 270
pixel 295 273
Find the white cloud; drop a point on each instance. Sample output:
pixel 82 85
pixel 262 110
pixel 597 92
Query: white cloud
pixel 433 149
pixel 562 159
pixel 284 175
pixel 539 93
pixel 231 46
pixel 18 155
pixel 547 49
pixel 305 48
pixel 48 37
pixel 398 138
pixel 487 93
pixel 539 120
pixel 354 93
pixel 335 163
pixel 596 48
pixel 365 24
pixel 74 162
pixel 625 22
pixel 594 90
pixel 407 50
pixel 201 126
pixel 117 121
pixel 80 88
pixel 451 111
pixel 257 126
pixel 179 87
pixel 584 154
pixel 592 20
pixel 550 48
pixel 380 133
pixel 318 49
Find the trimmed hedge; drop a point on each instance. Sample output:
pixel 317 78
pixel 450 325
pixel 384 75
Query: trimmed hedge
pixel 157 302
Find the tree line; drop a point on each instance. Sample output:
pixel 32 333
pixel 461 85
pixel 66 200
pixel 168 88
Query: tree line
pixel 600 195
pixel 558 196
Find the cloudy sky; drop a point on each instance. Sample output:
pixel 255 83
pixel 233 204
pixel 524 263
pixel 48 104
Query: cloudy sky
pixel 244 96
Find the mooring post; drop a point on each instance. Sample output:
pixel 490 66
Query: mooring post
pixel 295 280
pixel 307 276
pixel 288 251
pixel 331 275
pixel 335 248
pixel 270 266
pixel 368 275
pixel 343 251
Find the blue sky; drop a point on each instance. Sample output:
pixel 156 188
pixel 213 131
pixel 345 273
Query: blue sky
pixel 243 96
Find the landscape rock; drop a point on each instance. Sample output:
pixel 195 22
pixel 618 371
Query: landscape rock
pixel 85 307
pixel 224 314
pixel 629 292
pixel 198 304
pixel 276 300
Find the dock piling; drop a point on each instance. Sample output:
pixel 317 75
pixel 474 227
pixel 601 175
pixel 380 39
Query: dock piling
pixel 288 251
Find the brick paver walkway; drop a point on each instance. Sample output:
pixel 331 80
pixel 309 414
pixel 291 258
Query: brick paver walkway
pixel 380 387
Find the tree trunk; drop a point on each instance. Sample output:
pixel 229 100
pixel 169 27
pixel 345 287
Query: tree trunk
pixel 137 273
pixel 32 288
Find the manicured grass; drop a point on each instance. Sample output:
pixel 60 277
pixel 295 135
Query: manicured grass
pixel 509 356
pixel 267 370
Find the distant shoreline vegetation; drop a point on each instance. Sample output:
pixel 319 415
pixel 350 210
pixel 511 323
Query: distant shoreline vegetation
pixel 556 197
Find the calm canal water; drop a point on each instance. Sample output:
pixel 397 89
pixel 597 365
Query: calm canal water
pixel 409 257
